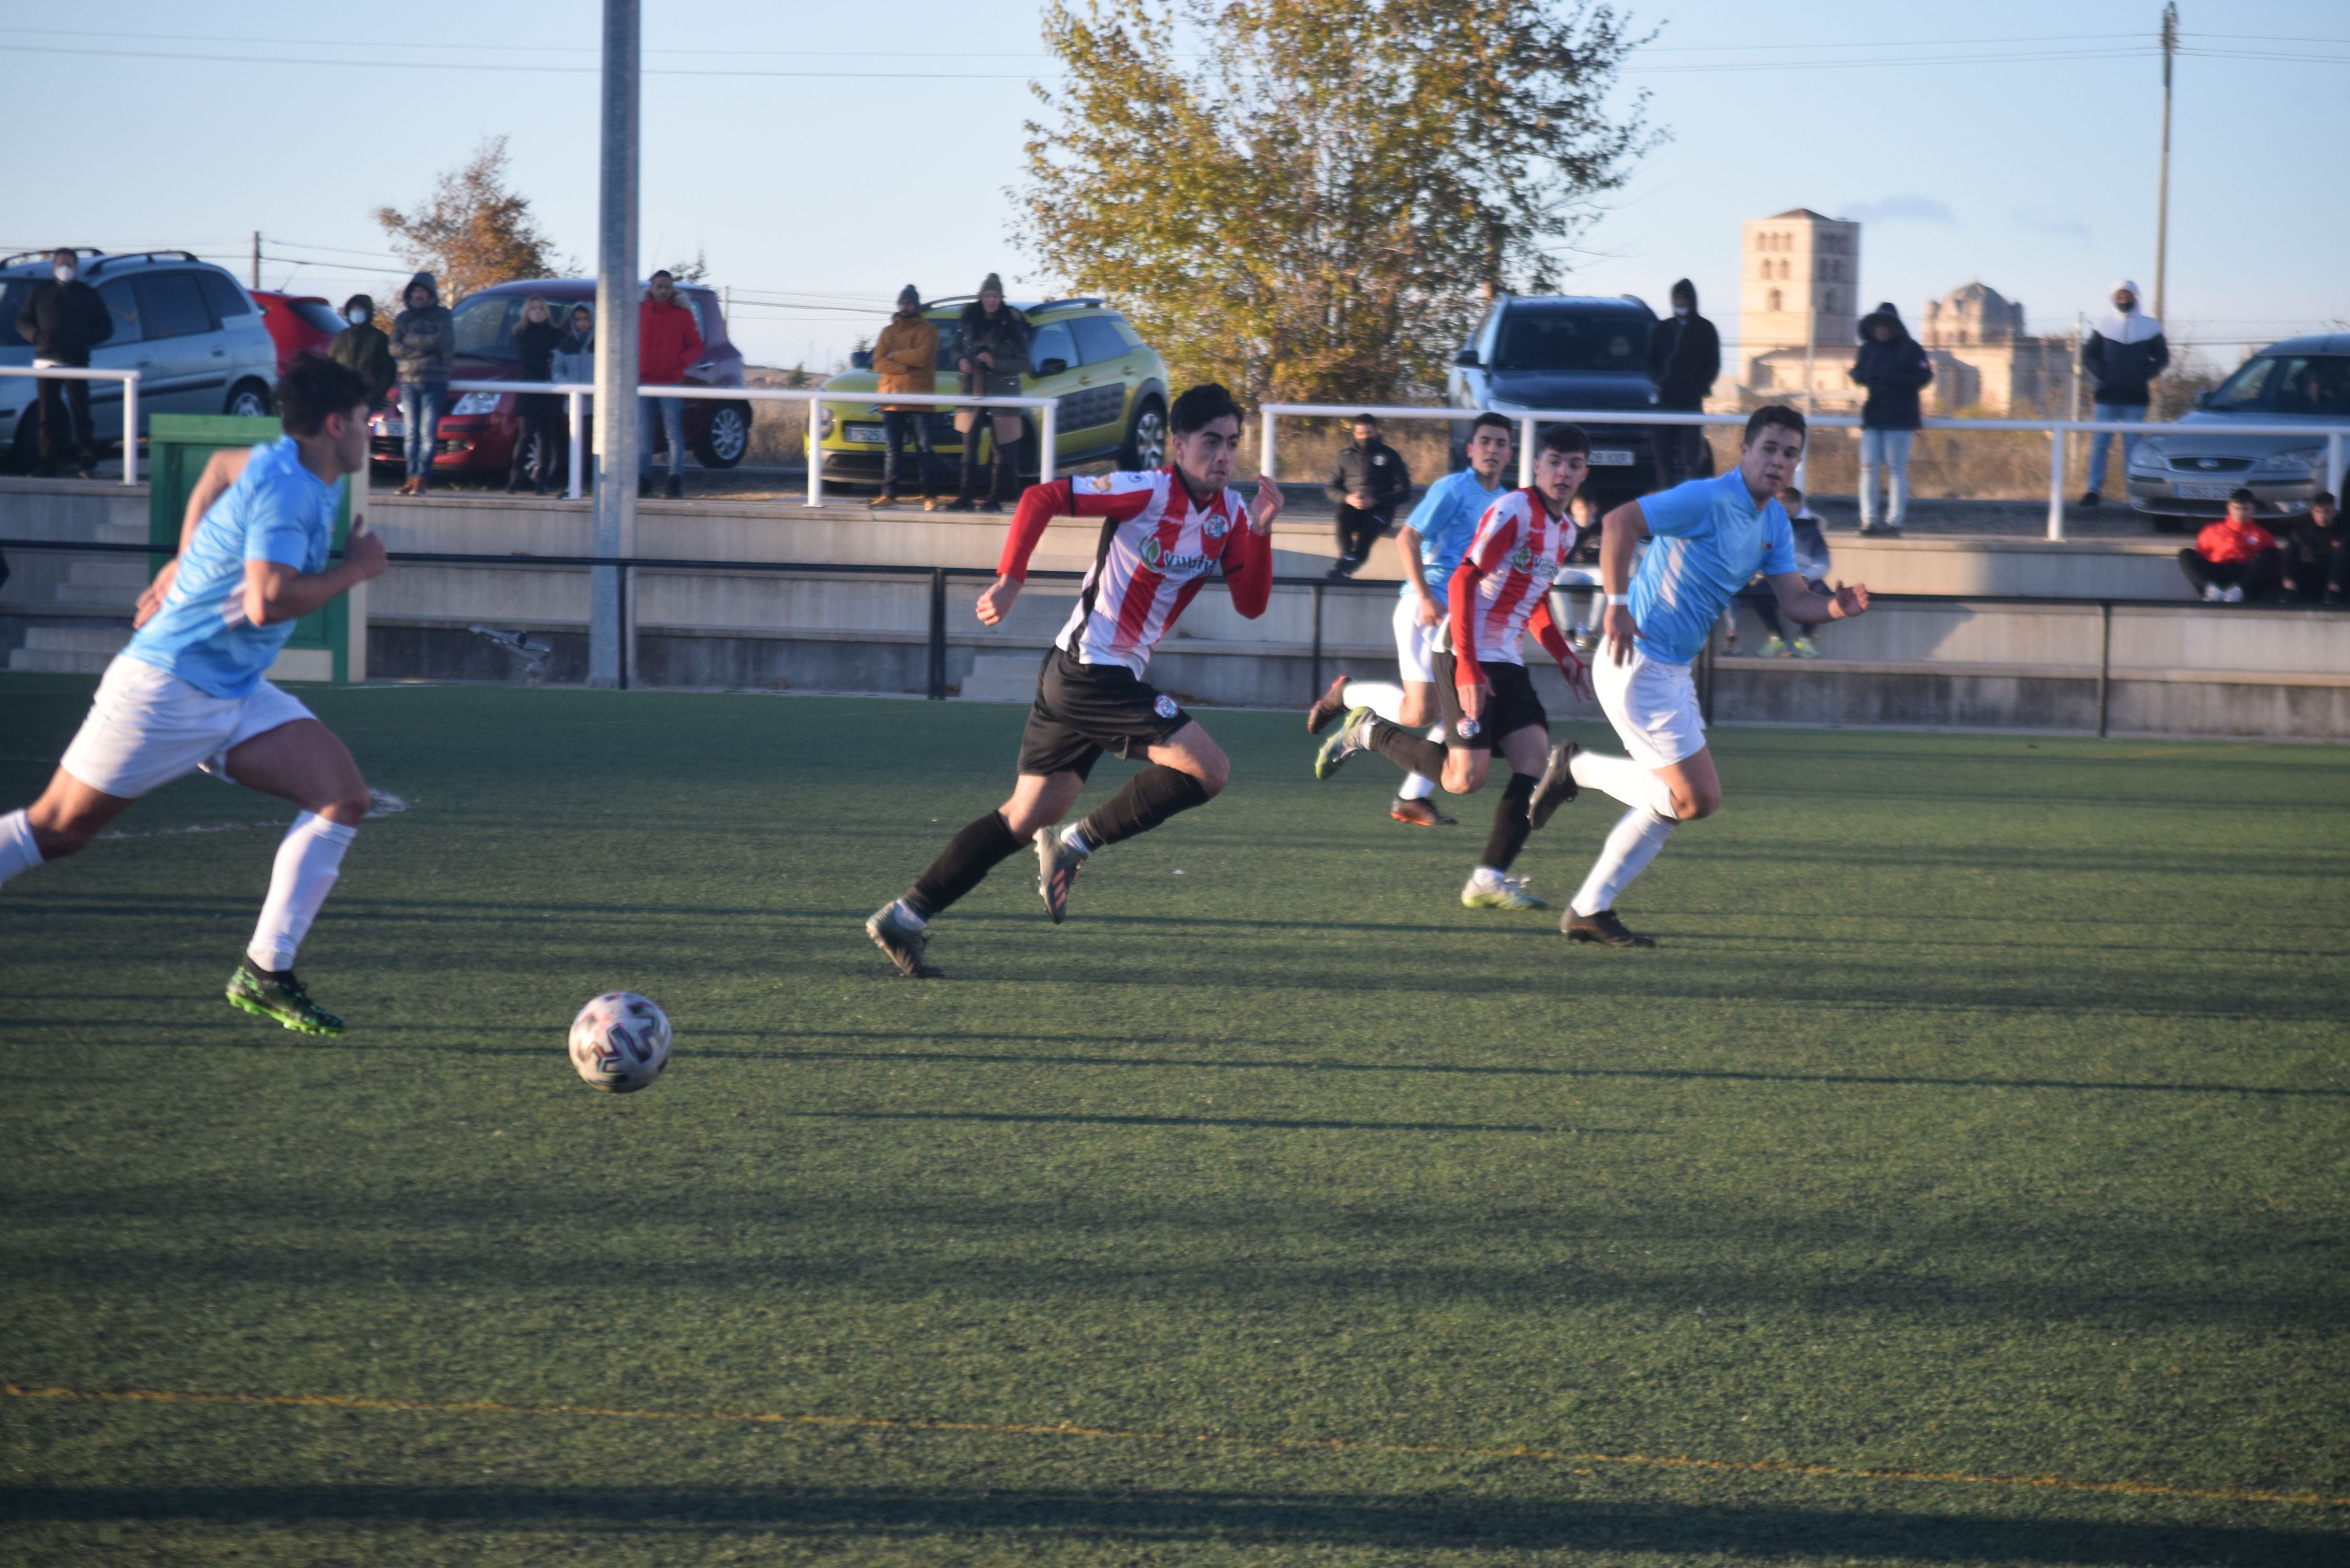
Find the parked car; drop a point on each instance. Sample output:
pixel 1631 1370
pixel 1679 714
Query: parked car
pixel 2183 479
pixel 298 323
pixel 1565 351
pixel 1109 390
pixel 478 431
pixel 187 326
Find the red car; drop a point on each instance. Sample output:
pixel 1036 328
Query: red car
pixel 298 323
pixel 478 429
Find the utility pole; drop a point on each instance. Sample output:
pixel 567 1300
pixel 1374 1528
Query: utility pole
pixel 256 259
pixel 2162 201
pixel 611 604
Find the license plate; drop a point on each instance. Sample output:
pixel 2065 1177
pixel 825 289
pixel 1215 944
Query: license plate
pixel 870 434
pixel 392 427
pixel 2186 492
pixel 1611 457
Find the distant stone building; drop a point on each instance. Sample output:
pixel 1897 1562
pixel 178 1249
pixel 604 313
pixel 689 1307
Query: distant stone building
pixel 1799 282
pixel 1984 359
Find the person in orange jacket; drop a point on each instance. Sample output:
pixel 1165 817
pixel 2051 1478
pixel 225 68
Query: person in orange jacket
pixel 2235 558
pixel 668 344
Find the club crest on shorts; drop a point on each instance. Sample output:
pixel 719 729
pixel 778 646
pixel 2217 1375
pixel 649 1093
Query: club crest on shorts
pixel 1468 728
pixel 1165 707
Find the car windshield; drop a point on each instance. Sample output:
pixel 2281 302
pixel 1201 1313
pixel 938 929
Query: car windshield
pixel 1558 340
pixel 318 314
pixel 2288 384
pixel 12 300
pixel 486 325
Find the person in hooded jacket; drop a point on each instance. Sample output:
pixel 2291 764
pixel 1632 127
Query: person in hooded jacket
pixel 575 365
pixel 363 347
pixel 1895 369
pixel 2122 357
pixel 992 349
pixel 1684 359
pixel 64 320
pixel 422 337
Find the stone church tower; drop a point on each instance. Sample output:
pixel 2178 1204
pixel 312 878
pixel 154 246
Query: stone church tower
pixel 1983 358
pixel 1799 276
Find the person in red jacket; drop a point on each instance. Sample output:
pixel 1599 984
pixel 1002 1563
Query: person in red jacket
pixel 668 344
pixel 2235 558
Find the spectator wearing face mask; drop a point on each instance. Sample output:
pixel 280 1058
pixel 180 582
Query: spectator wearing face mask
pixel 2122 357
pixel 363 347
pixel 64 320
pixel 1684 359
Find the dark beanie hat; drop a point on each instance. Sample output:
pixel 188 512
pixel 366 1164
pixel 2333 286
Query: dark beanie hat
pixel 992 282
pixel 909 292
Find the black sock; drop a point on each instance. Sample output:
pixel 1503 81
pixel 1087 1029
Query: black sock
pixel 1510 829
pixel 963 865
pixel 1411 752
pixel 1150 798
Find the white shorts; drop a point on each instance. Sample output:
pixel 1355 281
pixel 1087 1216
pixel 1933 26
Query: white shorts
pixel 1413 640
pixel 147 727
pixel 1652 702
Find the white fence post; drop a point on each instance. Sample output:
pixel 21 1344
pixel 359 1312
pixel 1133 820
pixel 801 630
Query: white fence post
pixel 814 406
pixel 1266 463
pixel 1526 452
pixel 131 427
pixel 1048 434
pixel 2334 455
pixel 576 417
pixel 2056 486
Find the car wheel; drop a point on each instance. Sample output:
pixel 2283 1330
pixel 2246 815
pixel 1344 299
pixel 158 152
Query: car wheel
pixel 1146 439
pixel 728 438
pixel 249 400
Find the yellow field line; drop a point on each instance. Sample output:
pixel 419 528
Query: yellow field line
pixel 1114 1434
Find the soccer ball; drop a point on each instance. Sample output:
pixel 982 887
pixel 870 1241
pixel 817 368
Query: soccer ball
pixel 619 1041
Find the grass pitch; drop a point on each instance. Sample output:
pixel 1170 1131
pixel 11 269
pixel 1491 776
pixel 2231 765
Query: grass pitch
pixel 1963 1181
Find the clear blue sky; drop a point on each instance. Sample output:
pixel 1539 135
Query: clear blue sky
pixel 2010 141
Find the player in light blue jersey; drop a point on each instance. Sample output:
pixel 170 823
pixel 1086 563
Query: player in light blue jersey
pixel 1709 537
pixel 1432 545
pixel 190 690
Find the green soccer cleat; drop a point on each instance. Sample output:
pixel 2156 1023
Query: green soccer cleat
pixel 1340 747
pixel 1509 894
pixel 278 995
pixel 1803 648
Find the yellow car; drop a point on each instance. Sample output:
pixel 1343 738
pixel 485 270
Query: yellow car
pixel 1110 389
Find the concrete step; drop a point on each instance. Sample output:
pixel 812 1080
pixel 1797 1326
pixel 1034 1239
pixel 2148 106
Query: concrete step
pixel 116 570
pixel 1000 678
pixel 55 661
pixel 113 596
pixel 104 640
pixel 123 534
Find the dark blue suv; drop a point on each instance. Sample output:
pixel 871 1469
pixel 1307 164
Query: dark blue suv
pixel 1567 351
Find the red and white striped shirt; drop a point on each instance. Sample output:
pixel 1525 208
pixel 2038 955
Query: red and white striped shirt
pixel 1502 584
pixel 1158 547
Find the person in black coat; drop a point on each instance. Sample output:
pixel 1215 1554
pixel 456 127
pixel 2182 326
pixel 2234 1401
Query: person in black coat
pixel 538 415
pixel 1684 359
pixel 992 349
pixel 1895 371
pixel 64 320
pixel 1367 482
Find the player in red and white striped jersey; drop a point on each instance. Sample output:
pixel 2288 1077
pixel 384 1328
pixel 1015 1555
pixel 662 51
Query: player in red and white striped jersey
pixel 1499 593
pixel 1163 534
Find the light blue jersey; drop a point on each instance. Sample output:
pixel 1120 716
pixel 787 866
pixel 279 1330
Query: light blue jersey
pixel 1708 540
pixel 277 511
pixel 1446 521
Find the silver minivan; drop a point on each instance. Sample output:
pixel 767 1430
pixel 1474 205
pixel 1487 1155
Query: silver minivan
pixel 187 327
pixel 2183 478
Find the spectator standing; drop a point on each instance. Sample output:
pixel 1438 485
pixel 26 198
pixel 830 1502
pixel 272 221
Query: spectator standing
pixel 62 319
pixel 668 344
pixel 907 356
pixel 2122 357
pixel 1895 371
pixel 1367 482
pixel 2317 553
pixel 1684 359
pixel 575 365
pixel 537 415
pixel 1812 564
pixel 2235 558
pixel 422 337
pixel 362 347
pixel 992 347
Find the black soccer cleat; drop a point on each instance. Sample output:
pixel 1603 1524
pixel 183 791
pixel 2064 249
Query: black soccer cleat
pixel 1326 707
pixel 902 942
pixel 275 994
pixel 1057 871
pixel 1555 787
pixel 1603 928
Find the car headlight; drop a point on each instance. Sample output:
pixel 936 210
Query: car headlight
pixel 824 422
pixel 2297 460
pixel 2148 459
pixel 477 403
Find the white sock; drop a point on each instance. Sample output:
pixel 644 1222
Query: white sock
pixel 1631 844
pixel 1384 698
pixel 1076 840
pixel 1625 779
pixel 1420 786
pixel 17 850
pixel 906 916
pixel 309 860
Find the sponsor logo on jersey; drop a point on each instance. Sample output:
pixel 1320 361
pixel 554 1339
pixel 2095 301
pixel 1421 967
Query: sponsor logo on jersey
pixel 1158 560
pixel 1165 707
pixel 1101 483
pixel 1522 557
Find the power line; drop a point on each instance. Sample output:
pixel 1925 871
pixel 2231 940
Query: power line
pixel 489 66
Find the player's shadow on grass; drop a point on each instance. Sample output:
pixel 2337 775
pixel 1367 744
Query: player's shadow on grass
pixel 1052 1118
pixel 1216 1519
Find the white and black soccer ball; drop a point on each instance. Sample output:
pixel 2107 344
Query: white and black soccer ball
pixel 619 1041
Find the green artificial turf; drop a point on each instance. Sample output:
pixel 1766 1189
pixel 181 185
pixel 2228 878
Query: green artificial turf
pixel 1981 1115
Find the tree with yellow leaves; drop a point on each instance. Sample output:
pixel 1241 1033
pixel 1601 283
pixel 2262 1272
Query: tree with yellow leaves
pixel 472 232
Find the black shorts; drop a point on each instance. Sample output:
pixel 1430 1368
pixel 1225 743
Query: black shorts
pixel 1084 710
pixel 1510 706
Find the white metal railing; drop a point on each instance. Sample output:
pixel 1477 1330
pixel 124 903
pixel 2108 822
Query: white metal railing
pixel 130 379
pixel 575 396
pixel 2334 436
